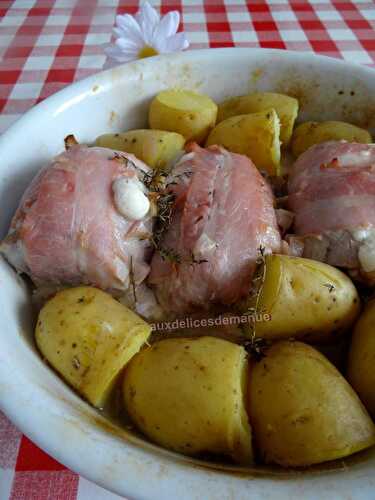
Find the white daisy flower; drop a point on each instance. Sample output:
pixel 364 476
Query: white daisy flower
pixel 145 35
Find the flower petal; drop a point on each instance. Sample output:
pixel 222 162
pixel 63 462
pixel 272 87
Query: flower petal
pixel 148 14
pixel 168 25
pixel 118 32
pixel 127 44
pixel 146 30
pixel 110 63
pixel 148 19
pixel 174 43
pixel 129 28
pixel 120 55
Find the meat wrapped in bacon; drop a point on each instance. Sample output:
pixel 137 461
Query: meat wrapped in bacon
pixel 222 217
pixel 68 229
pixel 332 194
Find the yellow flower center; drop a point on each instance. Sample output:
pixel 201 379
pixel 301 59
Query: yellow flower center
pixel 147 51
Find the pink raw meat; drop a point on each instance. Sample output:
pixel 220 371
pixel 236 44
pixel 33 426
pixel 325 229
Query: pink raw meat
pixel 223 214
pixel 332 194
pixel 332 186
pixel 67 230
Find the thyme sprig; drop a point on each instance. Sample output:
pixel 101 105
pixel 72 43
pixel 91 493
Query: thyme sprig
pixel 153 181
pixel 256 346
pixel 132 280
pixel 170 255
pixel 164 203
pixel 329 286
pixel 163 221
pixel 178 177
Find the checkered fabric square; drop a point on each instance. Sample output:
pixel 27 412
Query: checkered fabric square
pixel 47 44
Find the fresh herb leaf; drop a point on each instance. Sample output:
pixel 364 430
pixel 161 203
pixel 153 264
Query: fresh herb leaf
pixel 329 286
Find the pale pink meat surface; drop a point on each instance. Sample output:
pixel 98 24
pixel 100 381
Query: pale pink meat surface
pixel 223 215
pixel 332 194
pixel 332 187
pixel 67 230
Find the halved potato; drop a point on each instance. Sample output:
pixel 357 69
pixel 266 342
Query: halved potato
pixel 310 133
pixel 88 337
pixel 285 106
pixel 361 362
pixel 189 395
pixel 157 148
pixel 302 410
pixel 188 113
pixel 255 135
pixel 306 299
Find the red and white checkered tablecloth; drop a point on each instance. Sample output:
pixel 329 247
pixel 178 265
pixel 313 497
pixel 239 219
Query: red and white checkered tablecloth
pixel 46 44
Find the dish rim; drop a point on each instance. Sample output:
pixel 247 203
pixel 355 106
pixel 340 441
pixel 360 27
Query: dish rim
pixel 184 468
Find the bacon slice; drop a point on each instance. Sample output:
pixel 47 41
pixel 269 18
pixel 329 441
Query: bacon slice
pixel 223 215
pixel 332 194
pixel 67 230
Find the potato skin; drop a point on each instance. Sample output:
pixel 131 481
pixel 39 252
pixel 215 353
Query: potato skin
pixel 88 337
pixel 361 361
pixel 307 300
pixel 302 410
pixel 189 395
pixel 188 113
pixel 155 147
pixel 285 106
pixel 310 133
pixel 255 135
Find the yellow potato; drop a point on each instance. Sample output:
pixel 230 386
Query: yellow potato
pixel 88 337
pixel 302 410
pixel 306 299
pixel 361 362
pixel 286 108
pixel 255 135
pixel 188 113
pixel 310 133
pixel 189 395
pixel 155 147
